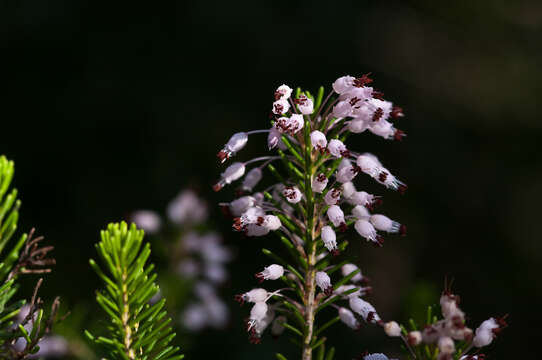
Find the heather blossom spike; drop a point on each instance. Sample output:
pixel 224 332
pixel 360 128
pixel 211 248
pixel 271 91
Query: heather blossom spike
pixel 313 182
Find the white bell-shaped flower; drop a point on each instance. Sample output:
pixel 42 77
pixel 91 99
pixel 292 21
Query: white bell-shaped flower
pixel 366 229
pixel 283 92
pixel 342 109
pixel 337 148
pixel 305 105
pixel 365 309
pixel 485 333
pixel 333 196
pixel 335 215
pixel 347 174
pixel 348 189
pixel 329 238
pixel 347 269
pixel 235 144
pixel 252 179
pixel 358 125
pixel 446 345
pixel 384 223
pixel 360 212
pixel 257 313
pixel 318 141
pixel 343 84
pixel 323 281
pixel 280 107
pixel 392 329
pixel 348 318
pixel 271 272
pixel 319 183
pixel 253 296
pixel 274 139
pixel 232 173
pixel 292 194
pixel 271 222
pixel 238 206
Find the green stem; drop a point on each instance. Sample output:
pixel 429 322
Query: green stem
pixel 310 275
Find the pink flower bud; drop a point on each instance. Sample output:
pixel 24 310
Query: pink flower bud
pixel 392 329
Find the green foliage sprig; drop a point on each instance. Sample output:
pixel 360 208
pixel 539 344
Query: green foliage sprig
pixel 139 330
pixel 26 256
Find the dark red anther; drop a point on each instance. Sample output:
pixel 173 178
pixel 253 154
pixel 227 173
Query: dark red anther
pixel 217 187
pixel 321 178
pixel 378 94
pixel 402 230
pixel 255 339
pixel 356 169
pixel 397 112
pixel 240 299
pixel 278 109
pixel 260 277
pixel 343 227
pixel 382 176
pixel 367 290
pixel 354 100
pixel 402 189
pixel 398 135
pixel 363 80
pixel 335 252
pixel 237 224
pixel 329 290
pixel 278 95
pixel 379 240
pixel 371 316
pixel 365 280
pixel 378 114
pixel 301 100
pixel 345 153
pixel 223 155
pixel 260 220
pixel 376 203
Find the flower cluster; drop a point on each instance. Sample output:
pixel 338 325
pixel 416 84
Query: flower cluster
pixel 313 203
pixel 449 338
pixel 197 257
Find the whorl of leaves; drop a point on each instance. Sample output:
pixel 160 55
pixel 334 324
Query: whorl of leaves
pixel 138 329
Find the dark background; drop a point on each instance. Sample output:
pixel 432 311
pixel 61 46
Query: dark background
pixel 111 106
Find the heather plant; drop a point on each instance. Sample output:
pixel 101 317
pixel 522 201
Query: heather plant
pixel 195 260
pixel 310 205
pixel 25 326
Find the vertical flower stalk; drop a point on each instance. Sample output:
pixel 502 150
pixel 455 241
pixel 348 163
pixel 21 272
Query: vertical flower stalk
pixel 314 175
